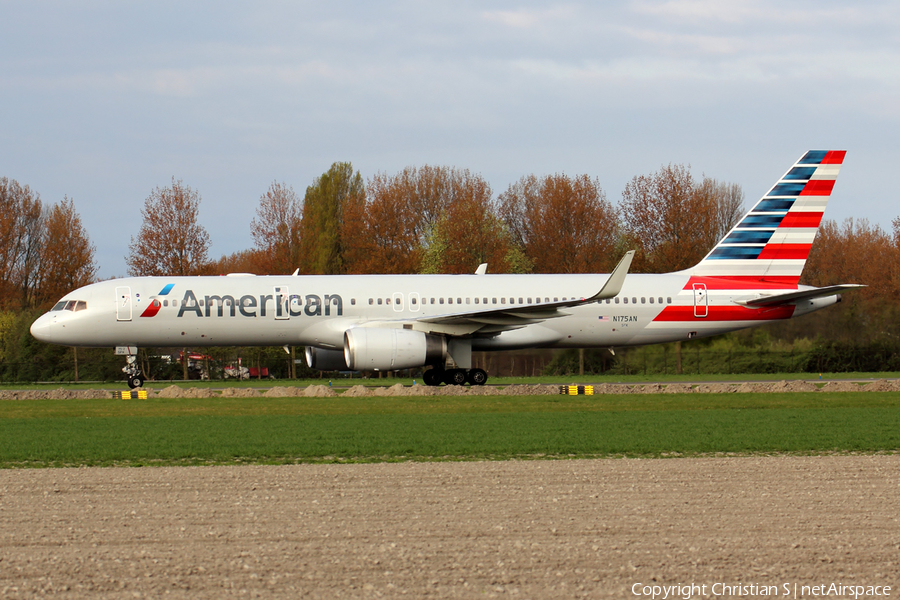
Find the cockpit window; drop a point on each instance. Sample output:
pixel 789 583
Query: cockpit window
pixel 73 305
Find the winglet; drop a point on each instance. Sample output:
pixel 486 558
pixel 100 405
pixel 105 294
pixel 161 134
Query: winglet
pixel 613 285
pixel 482 269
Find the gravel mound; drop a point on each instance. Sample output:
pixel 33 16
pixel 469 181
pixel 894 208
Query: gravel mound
pixel 319 391
pixel 841 386
pixel 880 385
pixel 239 393
pixel 283 392
pixel 679 388
pixel 172 391
pixel 358 391
pixel 716 388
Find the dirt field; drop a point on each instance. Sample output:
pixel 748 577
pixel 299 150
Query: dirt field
pixel 324 391
pixel 536 529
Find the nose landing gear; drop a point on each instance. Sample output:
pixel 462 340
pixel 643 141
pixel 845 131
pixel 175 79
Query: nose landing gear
pixel 135 379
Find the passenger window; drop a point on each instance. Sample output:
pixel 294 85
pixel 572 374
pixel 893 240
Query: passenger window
pixel 387 300
pixel 556 299
pixel 476 300
pixel 651 299
pixel 449 300
pixel 493 301
pixel 668 300
pixel 432 300
pixel 625 300
pixel 529 301
pixel 174 302
pixel 484 300
pixel 469 300
pixel 441 300
pixel 633 300
pixel 660 299
pixel 643 300
pixel 459 300
pixel 617 299
pixel 502 300
pixel 379 302
pixel 165 302
pixel 412 300
pixel 352 301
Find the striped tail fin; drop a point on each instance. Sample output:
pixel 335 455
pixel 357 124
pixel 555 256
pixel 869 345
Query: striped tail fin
pixel 770 245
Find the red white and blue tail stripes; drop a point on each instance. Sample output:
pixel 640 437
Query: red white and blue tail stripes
pixel 770 245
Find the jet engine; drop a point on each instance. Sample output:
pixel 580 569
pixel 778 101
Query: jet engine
pixel 391 349
pixel 325 360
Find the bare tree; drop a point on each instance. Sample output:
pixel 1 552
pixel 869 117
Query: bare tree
pixel 67 255
pixel 673 221
pixel 21 218
pixel 276 229
pixel 170 241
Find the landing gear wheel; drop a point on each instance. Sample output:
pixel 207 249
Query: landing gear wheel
pixel 433 376
pixel 477 377
pixel 135 382
pixel 455 377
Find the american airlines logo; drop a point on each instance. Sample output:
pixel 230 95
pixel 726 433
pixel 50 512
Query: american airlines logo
pixel 281 305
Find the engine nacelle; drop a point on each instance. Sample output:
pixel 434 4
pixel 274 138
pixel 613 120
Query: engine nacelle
pixel 325 360
pixel 369 348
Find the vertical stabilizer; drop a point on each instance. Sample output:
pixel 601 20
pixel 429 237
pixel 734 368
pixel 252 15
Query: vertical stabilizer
pixel 770 245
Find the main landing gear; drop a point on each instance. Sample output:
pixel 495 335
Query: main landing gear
pixel 437 376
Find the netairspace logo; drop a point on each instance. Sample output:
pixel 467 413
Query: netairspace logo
pixel 746 590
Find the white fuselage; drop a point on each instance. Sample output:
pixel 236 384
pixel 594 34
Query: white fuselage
pixel 317 310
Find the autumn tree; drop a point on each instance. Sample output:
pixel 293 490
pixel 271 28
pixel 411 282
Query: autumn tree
pixel 469 232
pixel 242 261
pixel 564 224
pixel 170 241
pixel 321 233
pixel 21 222
pixel 673 221
pixel 382 231
pixel 67 254
pixel 276 230
pixel 426 219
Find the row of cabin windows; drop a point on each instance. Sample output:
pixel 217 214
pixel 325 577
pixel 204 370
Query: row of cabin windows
pixel 414 300
pixel 81 305
pixel 634 300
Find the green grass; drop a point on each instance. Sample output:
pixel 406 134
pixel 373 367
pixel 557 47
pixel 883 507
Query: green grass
pixel 43 433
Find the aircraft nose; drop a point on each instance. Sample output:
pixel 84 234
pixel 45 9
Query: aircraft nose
pixel 42 328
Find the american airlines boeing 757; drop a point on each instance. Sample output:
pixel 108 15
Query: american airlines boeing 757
pixel 391 322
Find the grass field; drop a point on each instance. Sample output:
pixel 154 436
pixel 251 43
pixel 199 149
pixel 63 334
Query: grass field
pixel 41 433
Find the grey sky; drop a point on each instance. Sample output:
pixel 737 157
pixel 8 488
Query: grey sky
pixel 103 101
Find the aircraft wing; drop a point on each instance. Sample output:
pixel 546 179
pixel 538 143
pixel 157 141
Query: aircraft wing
pixel 514 317
pixel 791 297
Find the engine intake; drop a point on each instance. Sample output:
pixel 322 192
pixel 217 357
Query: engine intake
pixel 325 360
pixel 368 348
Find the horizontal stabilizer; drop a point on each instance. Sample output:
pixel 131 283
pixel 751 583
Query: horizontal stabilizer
pixel 790 298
